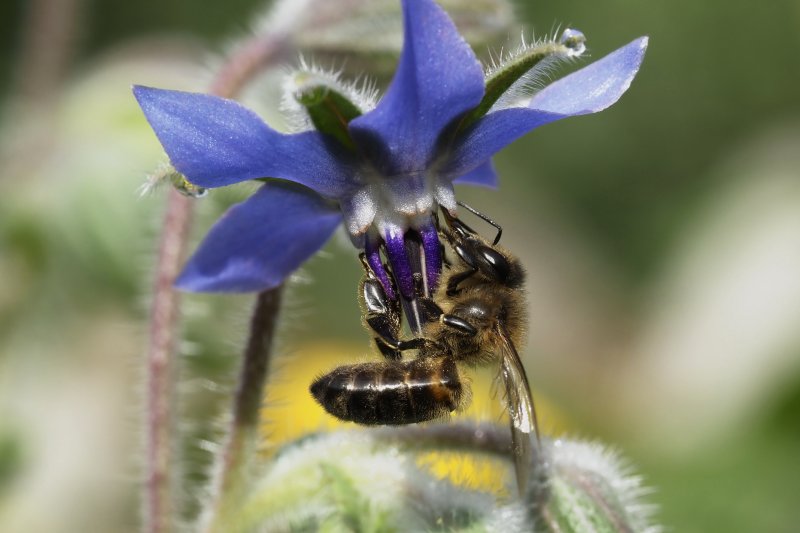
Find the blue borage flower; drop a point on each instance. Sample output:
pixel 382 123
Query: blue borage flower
pixel 386 172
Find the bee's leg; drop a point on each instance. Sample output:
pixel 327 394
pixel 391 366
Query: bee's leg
pixel 456 280
pixel 382 311
pixel 418 343
pixel 468 249
pixel 459 324
pixel 382 317
pixel 492 265
pixel 477 256
pixel 430 310
pixel 471 266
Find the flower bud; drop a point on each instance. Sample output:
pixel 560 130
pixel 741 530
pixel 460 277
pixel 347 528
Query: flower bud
pixel 586 487
pixel 375 480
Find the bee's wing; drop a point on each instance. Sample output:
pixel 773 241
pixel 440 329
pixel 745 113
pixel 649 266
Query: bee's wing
pixel 521 411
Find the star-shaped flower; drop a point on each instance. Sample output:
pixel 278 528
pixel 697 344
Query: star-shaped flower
pixel 384 169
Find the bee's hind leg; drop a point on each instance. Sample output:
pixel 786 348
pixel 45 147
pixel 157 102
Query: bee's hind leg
pixel 383 316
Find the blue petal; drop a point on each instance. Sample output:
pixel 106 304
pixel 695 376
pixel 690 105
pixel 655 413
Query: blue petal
pixel 482 176
pixel 595 87
pixel 216 142
pixel 259 242
pixel 589 90
pixel 438 78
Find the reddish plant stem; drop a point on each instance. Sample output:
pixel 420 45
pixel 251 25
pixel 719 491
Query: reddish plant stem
pixel 233 468
pixel 159 510
pixel 159 507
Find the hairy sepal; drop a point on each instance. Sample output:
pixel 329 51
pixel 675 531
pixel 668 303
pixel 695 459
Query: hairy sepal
pixel 513 79
pixel 316 98
pixel 329 111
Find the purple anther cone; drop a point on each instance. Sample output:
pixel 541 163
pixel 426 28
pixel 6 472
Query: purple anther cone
pixel 432 250
pixel 376 264
pixel 401 266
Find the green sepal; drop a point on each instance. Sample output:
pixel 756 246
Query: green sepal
pixel 513 68
pixel 329 110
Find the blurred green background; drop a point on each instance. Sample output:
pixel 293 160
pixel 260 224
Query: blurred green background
pixel 662 239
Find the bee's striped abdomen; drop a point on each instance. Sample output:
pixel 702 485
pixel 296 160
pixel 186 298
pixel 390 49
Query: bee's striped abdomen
pixel 390 392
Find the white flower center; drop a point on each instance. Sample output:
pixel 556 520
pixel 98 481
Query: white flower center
pixel 400 201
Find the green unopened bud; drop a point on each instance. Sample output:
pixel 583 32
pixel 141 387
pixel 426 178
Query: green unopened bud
pixel 588 488
pixel 350 481
pixel 376 481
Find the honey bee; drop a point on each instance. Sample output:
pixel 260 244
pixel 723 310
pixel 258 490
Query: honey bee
pixel 476 317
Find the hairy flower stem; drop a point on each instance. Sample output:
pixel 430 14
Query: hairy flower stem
pixel 158 506
pixel 234 461
pixel 159 513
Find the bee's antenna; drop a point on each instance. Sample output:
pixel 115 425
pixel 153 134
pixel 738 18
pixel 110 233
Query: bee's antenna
pixel 485 219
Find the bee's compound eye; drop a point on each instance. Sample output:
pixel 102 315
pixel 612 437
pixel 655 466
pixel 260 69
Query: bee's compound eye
pixel 494 264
